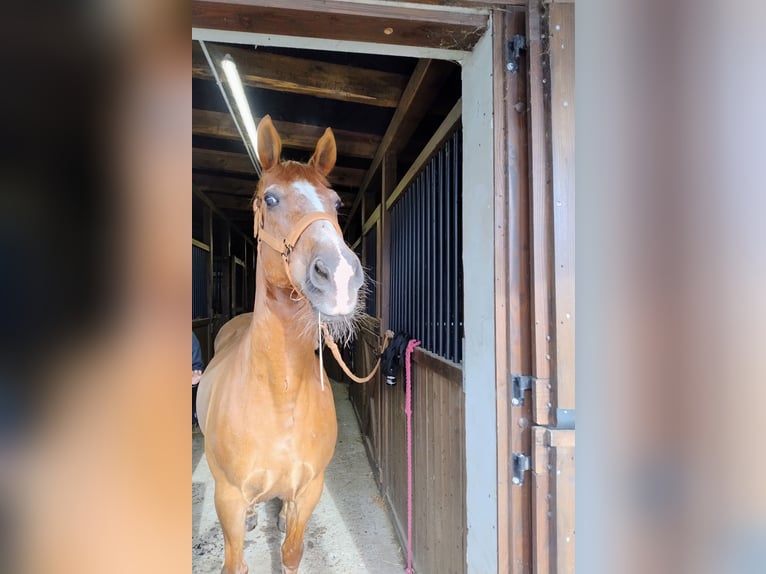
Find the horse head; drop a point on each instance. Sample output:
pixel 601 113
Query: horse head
pixel 296 215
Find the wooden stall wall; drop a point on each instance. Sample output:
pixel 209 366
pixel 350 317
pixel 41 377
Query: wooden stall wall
pixel 438 405
pixel 438 465
pixel 363 395
pixel 438 455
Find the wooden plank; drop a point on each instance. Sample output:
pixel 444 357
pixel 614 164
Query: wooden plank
pixel 346 176
pixel 201 245
pixel 222 161
pixel 239 163
pixel 562 61
pixel 502 328
pixel 438 467
pixel 232 185
pixel 563 452
pixel 440 135
pixel 542 509
pixel 214 124
pixel 511 293
pixel 371 222
pixel 383 23
pixel 228 201
pixel 421 90
pixel 541 230
pixel 470 3
pixel 294 135
pixel 305 76
pixel 447 370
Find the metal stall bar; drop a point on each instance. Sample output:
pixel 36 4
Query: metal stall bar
pixel 455 196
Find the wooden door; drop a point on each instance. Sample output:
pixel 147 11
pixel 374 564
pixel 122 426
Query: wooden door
pixel 552 185
pixel 534 263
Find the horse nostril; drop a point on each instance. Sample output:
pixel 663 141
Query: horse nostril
pixel 321 270
pixel 319 274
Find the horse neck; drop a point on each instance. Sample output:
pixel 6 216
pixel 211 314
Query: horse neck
pixel 284 321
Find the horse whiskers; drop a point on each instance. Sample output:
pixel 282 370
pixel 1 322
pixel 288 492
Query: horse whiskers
pixel 343 329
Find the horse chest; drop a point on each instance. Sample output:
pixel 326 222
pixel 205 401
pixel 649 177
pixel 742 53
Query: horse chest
pixel 293 445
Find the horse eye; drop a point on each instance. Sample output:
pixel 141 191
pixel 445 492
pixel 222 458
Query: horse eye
pixel 338 205
pixel 270 200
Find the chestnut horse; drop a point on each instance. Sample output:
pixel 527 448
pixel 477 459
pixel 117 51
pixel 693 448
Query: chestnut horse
pixel 264 403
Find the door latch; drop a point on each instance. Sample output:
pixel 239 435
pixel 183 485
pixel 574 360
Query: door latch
pixel 519 384
pixel 521 464
pixel 515 46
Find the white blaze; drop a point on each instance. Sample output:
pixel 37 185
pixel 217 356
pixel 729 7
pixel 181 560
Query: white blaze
pixel 344 272
pixel 310 193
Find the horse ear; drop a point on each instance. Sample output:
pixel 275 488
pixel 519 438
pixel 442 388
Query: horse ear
pixel 269 144
pixel 325 153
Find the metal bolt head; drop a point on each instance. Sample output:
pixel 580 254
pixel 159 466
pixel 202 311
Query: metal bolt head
pixel 515 402
pixel 515 480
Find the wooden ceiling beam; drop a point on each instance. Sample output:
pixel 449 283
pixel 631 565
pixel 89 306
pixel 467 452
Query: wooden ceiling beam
pixel 346 176
pixel 302 76
pixel 421 91
pixel 294 135
pixel 231 185
pixel 222 161
pixel 239 163
pixel 385 23
pixel 233 202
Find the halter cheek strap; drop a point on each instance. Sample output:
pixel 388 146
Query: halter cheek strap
pixel 286 245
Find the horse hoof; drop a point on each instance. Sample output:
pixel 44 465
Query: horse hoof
pixel 251 521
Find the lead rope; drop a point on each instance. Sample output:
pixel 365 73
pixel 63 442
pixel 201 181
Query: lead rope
pixel 330 342
pixel 408 411
pixel 321 354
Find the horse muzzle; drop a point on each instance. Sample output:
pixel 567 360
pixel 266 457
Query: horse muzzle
pixel 333 280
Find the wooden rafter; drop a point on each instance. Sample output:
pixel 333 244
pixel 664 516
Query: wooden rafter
pixel 289 74
pixel 294 135
pixel 228 201
pixel 230 185
pixel 222 161
pixel 239 163
pixel 385 23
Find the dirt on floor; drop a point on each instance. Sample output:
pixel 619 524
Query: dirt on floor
pixel 349 531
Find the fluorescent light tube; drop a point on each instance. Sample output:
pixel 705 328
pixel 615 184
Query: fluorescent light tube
pixel 235 83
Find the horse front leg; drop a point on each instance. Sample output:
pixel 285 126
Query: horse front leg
pixel 297 513
pixel 231 508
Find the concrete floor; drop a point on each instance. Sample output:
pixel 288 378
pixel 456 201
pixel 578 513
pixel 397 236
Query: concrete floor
pixel 349 531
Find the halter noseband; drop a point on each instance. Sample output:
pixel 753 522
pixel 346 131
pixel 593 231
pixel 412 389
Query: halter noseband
pixel 286 245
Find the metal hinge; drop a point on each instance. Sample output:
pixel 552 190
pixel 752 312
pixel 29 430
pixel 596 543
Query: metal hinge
pixel 515 46
pixel 521 464
pixel 519 384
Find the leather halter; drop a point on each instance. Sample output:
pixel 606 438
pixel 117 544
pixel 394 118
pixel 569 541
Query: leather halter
pixel 286 245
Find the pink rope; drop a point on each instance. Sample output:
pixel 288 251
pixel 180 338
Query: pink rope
pixel 408 411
